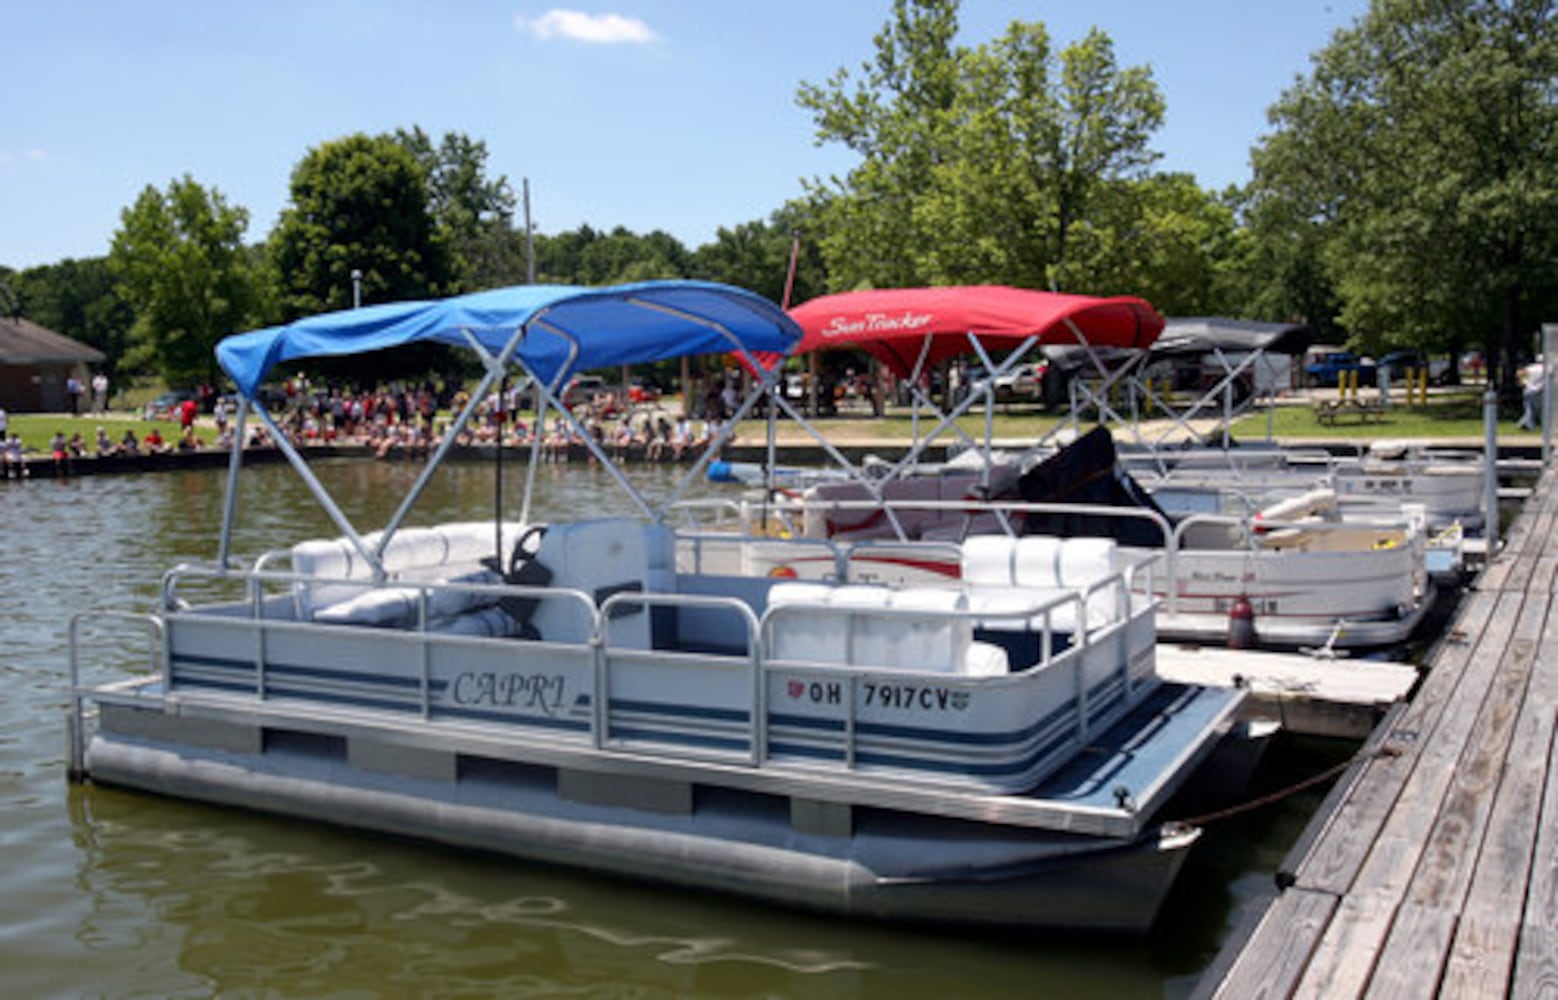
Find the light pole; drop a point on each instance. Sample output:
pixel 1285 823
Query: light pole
pixel 356 288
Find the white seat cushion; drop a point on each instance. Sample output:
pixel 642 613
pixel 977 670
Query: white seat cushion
pixel 984 659
pixel 987 561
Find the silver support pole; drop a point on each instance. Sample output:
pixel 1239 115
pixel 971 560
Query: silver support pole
pixel 230 502
pixel 1549 359
pixel 300 466
pixel 530 239
pixel 1490 470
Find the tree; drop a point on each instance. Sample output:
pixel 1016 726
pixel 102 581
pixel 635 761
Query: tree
pixel 988 164
pixel 362 204
pixel 80 298
pixel 1421 152
pixel 1163 238
pixel 756 256
pixel 475 214
pixel 586 256
pixel 894 116
pixel 182 267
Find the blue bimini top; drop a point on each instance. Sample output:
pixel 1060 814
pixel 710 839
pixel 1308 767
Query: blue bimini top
pixel 555 330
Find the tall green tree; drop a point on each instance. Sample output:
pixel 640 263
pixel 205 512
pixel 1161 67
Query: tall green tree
pixel 474 212
pixel 1163 238
pixel 756 256
pixel 359 203
pixel 894 115
pixel 183 269
pixel 1423 149
pixel 1006 162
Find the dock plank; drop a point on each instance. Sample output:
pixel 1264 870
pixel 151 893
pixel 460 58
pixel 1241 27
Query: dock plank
pixel 1536 975
pixel 1482 957
pixel 1410 964
pixel 1511 858
pixel 1367 853
pixel 1342 963
pixel 1287 933
pixel 1308 695
pixel 1454 842
pixel 1536 960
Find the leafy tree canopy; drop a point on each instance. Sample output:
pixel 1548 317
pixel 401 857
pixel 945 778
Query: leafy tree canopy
pixel 475 214
pixel 182 268
pixel 1006 162
pixel 1418 162
pixel 358 204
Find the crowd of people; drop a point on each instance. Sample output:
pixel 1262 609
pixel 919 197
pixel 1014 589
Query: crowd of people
pixel 406 419
pixel 395 419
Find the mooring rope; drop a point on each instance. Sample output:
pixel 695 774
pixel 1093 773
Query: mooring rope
pixel 1290 790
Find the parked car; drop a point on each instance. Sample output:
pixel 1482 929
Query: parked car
pixel 1325 369
pixel 165 405
pixel 1396 364
pixel 585 390
pixel 1022 382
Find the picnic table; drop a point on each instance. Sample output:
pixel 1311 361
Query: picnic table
pixel 1331 412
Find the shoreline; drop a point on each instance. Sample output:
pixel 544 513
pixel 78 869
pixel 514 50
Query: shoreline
pixel 807 453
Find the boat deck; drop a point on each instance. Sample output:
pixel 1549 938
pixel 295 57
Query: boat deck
pixel 1430 870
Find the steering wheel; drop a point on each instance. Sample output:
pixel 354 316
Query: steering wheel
pixel 528 546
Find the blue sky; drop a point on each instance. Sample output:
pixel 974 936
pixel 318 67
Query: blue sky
pixel 651 114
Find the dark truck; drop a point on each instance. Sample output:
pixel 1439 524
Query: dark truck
pixel 1325 368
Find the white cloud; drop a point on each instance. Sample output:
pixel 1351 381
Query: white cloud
pixel 597 29
pixel 7 157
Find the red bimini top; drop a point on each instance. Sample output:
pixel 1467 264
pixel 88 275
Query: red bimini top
pixel 898 326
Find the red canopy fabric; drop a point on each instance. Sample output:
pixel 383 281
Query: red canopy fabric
pixel 892 324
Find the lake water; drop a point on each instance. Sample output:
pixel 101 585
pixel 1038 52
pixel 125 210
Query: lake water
pixel 117 894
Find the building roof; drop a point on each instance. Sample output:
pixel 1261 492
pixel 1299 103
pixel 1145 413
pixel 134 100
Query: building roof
pixel 23 342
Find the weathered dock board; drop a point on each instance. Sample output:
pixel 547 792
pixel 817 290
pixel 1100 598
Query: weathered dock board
pixel 1432 869
pixel 1343 698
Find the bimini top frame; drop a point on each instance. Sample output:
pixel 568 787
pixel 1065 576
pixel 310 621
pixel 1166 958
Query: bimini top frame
pixel 549 332
pixel 910 329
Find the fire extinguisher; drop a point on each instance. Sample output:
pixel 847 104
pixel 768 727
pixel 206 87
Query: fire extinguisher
pixel 1241 623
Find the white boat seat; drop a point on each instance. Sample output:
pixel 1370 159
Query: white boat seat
pixel 334 562
pixel 600 558
pixel 448 553
pixel 1003 576
pixel 845 632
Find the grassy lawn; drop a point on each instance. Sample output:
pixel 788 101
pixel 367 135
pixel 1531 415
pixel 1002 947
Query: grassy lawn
pixel 37 429
pixel 1449 415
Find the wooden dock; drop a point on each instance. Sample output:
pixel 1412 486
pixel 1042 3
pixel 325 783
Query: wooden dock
pixel 1342 698
pixel 1432 867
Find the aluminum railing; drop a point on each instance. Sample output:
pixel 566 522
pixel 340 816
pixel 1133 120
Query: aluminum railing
pixel 607 658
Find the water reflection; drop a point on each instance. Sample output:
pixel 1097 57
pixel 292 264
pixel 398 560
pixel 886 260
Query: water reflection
pixel 256 906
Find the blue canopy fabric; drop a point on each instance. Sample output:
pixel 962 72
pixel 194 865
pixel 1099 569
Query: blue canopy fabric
pixel 620 325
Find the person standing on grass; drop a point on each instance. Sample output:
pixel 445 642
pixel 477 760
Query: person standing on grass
pixel 1533 379
pixel 73 390
pixel 100 393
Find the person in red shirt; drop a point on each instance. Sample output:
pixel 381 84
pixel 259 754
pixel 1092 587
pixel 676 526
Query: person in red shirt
pixel 187 411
